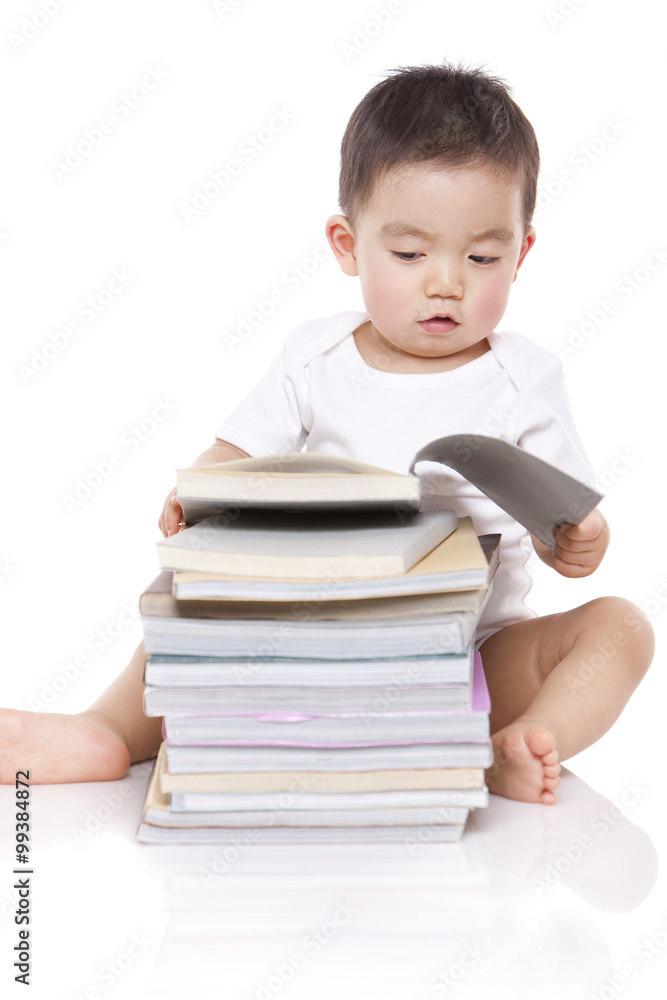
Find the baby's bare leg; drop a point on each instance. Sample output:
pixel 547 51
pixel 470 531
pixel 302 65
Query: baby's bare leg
pixel 96 745
pixel 557 684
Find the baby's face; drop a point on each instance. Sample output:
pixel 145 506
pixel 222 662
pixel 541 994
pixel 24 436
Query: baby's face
pixel 436 250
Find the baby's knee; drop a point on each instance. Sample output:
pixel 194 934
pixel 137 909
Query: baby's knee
pixel 626 625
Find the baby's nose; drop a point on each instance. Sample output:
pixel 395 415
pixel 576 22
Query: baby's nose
pixel 444 278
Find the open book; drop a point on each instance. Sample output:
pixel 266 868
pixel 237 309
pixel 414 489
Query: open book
pixel 533 492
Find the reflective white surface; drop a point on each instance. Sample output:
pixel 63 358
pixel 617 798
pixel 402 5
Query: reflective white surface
pixel 535 901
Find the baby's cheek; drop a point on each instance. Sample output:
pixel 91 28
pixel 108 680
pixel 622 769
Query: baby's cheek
pixel 492 304
pixel 382 297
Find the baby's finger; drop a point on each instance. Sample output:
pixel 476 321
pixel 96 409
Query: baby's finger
pixel 568 544
pixel 572 566
pixel 173 516
pixel 572 558
pixel 590 528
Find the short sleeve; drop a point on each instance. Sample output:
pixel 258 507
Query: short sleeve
pixel 545 425
pixel 269 420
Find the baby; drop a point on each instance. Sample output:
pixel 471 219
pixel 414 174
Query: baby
pixel 438 182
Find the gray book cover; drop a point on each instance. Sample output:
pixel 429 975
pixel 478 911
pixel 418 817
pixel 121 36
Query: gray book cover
pixel 536 494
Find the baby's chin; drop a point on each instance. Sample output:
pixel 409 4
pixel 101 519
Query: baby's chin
pixel 458 354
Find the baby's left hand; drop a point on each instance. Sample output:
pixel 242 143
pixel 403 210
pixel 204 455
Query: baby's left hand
pixel 579 547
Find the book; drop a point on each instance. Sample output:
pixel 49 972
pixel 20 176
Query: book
pixel 304 799
pixel 179 680
pixel 302 479
pixel 291 729
pixel 183 760
pixel 369 780
pixel 398 725
pixel 462 561
pixel 315 701
pixel 158 824
pixel 307 545
pixel 338 639
pixel 158 602
pixel 159 813
pixel 536 494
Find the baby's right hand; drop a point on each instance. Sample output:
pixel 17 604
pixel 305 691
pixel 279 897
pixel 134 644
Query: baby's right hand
pixel 171 516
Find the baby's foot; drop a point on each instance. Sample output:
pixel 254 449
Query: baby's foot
pixel 57 748
pixel 525 763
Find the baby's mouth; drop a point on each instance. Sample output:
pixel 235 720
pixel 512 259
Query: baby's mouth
pixel 439 324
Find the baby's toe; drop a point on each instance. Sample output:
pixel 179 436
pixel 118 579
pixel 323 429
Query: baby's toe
pixel 540 742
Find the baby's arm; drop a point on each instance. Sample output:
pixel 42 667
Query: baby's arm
pixel 172 514
pixel 579 547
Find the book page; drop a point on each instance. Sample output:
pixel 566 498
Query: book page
pixel 536 494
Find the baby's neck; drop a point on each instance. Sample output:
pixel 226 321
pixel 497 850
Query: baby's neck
pixel 383 356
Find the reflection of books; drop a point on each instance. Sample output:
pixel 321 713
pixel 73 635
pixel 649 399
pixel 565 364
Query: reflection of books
pixel 306 545
pixel 533 492
pixel 411 874
pixel 256 896
pixel 444 886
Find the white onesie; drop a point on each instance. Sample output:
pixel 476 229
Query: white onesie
pixel 320 394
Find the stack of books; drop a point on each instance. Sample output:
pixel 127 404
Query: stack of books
pixel 316 674
pixel 311 646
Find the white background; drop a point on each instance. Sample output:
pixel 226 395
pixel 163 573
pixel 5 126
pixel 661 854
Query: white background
pixel 223 70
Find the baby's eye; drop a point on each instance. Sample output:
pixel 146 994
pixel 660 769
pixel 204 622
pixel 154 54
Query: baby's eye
pixel 405 256
pixel 483 260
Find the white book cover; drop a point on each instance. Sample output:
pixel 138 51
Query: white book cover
pixel 222 801
pixel 188 673
pixel 189 760
pixel 412 698
pixel 307 545
pixel 322 639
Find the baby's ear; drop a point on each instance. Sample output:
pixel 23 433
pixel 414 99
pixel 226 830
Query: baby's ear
pixel 341 240
pixel 528 241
